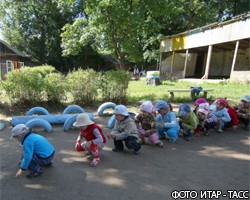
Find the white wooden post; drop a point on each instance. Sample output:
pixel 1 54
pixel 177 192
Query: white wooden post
pixel 210 47
pixel 234 59
pixel 185 64
pixel 172 61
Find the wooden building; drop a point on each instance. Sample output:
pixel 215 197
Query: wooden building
pixel 218 50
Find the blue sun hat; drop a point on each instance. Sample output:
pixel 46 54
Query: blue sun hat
pixel 121 110
pixel 160 104
pixel 246 98
pixel 184 110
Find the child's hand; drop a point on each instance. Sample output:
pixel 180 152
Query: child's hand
pixel 141 131
pixel 77 143
pixel 111 136
pixel 19 172
pixel 161 123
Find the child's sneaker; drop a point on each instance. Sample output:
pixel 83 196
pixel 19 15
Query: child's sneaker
pixel 137 152
pixel 171 140
pixel 219 130
pixel 187 138
pixel 34 174
pixel 160 144
pixel 206 133
pixel 142 141
pixel 116 150
pixel 95 162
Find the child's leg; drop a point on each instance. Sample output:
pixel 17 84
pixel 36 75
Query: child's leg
pixel 220 126
pixel 154 139
pixel 172 133
pixel 131 143
pixel 246 122
pixel 141 132
pixel 187 134
pixel 208 127
pixel 35 163
pixel 95 152
pixel 118 145
pixel 161 134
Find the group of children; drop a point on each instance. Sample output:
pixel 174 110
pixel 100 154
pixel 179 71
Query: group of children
pixel 153 123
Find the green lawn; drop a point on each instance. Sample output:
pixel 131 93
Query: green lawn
pixel 138 90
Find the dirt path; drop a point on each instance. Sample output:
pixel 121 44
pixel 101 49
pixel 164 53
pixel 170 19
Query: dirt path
pixel 218 162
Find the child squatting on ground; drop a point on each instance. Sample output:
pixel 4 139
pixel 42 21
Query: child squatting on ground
pixel 197 103
pixel 37 151
pixel 243 111
pixel 167 124
pixel 221 112
pixel 125 130
pixel 93 135
pixel 207 120
pixel 234 122
pixel 146 124
pixel 188 121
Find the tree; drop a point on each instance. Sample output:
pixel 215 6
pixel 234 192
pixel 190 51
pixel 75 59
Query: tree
pixel 34 27
pixel 64 32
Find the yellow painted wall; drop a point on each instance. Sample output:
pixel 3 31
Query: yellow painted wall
pixel 179 42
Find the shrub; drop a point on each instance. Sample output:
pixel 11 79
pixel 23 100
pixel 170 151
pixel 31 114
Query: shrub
pixel 55 87
pixel 83 85
pixel 114 85
pixel 42 70
pixel 23 86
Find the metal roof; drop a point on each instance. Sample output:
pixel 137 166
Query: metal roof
pixel 221 35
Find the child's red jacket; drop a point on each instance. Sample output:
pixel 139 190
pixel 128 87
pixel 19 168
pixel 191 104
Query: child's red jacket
pixel 233 115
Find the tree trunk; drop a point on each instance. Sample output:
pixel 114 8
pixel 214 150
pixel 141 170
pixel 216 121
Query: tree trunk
pixel 122 63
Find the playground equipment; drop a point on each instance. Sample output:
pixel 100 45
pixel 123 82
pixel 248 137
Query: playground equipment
pixel 2 126
pixel 45 119
pixel 105 106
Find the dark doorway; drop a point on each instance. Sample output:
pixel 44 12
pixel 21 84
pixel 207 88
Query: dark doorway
pixel 198 73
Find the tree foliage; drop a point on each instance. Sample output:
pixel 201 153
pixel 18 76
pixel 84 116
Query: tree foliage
pixel 69 31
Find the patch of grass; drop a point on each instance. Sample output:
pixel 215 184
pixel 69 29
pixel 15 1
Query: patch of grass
pixel 139 91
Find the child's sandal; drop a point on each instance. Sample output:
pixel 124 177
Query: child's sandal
pixel 95 162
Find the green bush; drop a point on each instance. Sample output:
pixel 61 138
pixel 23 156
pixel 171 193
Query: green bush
pixel 114 85
pixel 83 85
pixel 55 87
pixel 24 86
pixel 39 84
pixel 42 70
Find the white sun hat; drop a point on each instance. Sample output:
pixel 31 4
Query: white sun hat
pixel 18 130
pixel 82 120
pixel 147 106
